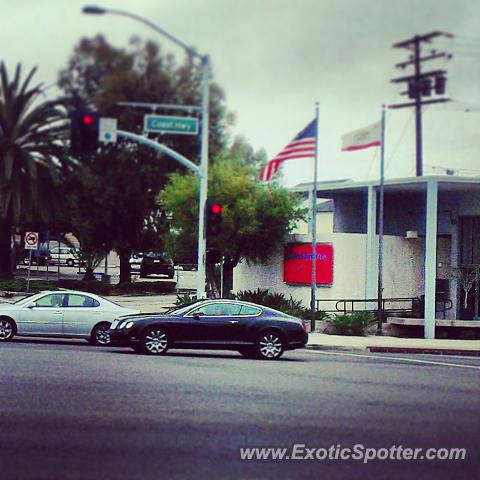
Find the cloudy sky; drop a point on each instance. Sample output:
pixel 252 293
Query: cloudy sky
pixel 276 58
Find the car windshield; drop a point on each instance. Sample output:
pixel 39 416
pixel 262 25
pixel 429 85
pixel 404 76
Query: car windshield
pixel 26 299
pixel 181 309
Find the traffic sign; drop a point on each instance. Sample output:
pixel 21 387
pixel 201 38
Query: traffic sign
pixel 107 130
pixel 169 124
pixel 31 240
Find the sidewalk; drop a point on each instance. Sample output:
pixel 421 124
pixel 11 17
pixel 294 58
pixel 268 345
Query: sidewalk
pixel 321 341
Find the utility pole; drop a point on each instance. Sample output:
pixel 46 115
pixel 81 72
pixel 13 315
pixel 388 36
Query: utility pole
pixel 421 84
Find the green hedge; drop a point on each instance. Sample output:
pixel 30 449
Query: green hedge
pixel 354 324
pixel 94 286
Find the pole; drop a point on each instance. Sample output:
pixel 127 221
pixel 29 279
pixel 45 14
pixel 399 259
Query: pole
pixel 380 231
pixel 314 226
pixel 29 267
pixel 203 174
pixel 418 107
pixel 221 276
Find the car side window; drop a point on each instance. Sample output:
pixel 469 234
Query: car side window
pixel 75 300
pixel 52 300
pixel 248 310
pixel 218 309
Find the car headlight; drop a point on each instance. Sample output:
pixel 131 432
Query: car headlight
pixel 126 324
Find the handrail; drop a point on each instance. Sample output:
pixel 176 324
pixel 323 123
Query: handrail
pixel 405 305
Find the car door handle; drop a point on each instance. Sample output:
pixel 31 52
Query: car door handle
pixel 233 321
pixel 58 313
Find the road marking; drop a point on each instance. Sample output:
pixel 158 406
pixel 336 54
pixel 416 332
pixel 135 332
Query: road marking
pixel 411 360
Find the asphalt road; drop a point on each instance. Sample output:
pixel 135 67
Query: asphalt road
pixel 72 411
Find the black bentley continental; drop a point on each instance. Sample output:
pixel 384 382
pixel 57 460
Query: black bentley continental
pixel 253 330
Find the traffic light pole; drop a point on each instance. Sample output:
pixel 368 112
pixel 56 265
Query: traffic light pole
pixel 202 170
pixel 203 175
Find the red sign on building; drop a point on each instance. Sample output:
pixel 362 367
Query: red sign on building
pixel 297 264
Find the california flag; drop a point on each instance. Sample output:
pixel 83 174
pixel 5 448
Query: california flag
pixel 364 138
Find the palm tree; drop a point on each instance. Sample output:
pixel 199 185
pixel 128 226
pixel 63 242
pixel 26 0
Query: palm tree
pixel 31 131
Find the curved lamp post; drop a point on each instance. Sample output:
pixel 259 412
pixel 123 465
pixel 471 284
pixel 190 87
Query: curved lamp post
pixel 203 169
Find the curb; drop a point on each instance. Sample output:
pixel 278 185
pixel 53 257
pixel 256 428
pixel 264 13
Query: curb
pixel 398 350
pixel 425 350
pixel 341 348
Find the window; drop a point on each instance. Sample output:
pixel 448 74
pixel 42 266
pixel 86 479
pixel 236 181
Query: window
pixel 54 300
pixel 248 310
pixel 218 309
pixel 75 300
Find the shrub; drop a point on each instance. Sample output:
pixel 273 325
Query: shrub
pixel 354 324
pixel 278 301
pixel 143 288
pixel 185 299
pixel 20 285
pixel 92 286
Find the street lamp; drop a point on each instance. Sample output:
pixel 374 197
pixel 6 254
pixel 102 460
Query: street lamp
pixel 203 170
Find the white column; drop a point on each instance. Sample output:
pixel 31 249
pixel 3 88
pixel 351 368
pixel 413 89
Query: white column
pixel 372 254
pixel 430 257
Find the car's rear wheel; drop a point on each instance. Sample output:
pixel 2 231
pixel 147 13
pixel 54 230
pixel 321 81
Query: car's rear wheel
pixel 7 329
pixel 155 341
pixel 100 335
pixel 270 345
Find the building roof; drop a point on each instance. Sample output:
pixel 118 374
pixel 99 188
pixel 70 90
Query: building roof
pixel 445 182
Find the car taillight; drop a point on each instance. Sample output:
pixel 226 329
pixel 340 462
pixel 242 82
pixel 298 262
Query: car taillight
pixel 304 327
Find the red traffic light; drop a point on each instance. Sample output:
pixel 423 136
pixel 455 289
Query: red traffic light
pixel 87 119
pixel 216 209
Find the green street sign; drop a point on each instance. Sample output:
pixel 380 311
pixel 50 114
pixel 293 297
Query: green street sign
pixel 169 124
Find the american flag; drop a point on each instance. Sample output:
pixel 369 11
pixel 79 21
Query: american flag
pixel 302 146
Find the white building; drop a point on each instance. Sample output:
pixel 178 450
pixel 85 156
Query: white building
pixel 431 227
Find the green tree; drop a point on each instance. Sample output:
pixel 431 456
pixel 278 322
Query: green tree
pixel 101 75
pixel 30 153
pixel 255 216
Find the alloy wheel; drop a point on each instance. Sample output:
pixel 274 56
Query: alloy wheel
pixel 270 346
pixel 6 330
pixel 156 341
pixel 102 336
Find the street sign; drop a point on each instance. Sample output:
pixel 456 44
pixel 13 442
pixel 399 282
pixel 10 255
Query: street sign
pixel 169 124
pixel 31 240
pixel 107 130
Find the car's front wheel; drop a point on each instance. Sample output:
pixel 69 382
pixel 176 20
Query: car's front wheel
pixel 101 335
pixel 270 345
pixel 70 262
pixel 7 329
pixel 155 341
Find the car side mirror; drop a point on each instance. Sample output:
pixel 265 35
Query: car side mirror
pixel 32 305
pixel 197 315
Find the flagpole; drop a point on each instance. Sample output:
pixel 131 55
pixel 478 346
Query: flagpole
pixel 380 229
pixel 314 226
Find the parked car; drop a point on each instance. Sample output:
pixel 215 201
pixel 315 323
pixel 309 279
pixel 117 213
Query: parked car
pixel 39 257
pixel 136 261
pixel 62 313
pixel 64 256
pixel 253 330
pixel 155 263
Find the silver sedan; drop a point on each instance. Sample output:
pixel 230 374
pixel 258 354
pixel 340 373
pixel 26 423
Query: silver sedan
pixel 64 313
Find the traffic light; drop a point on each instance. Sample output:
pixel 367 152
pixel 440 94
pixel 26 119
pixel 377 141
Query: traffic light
pixel 84 131
pixel 213 217
pixel 440 83
pixel 426 86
